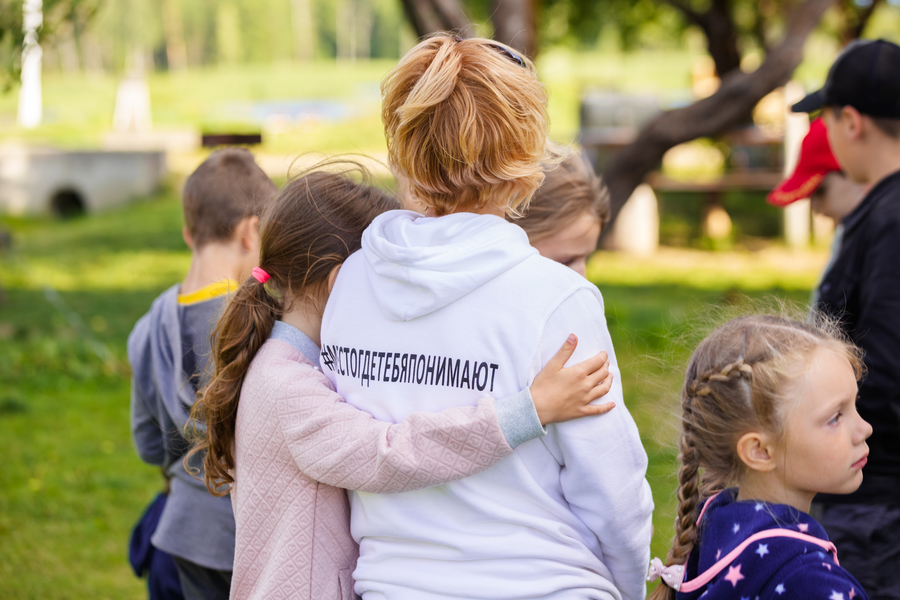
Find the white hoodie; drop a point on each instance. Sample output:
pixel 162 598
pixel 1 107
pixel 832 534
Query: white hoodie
pixel 435 313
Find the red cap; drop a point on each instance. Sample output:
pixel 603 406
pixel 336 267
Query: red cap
pixel 816 161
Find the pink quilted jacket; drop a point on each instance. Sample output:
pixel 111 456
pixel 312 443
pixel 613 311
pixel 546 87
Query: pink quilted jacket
pixel 297 444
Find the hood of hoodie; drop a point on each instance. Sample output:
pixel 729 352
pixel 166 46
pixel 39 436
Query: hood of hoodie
pixel 155 352
pixel 418 265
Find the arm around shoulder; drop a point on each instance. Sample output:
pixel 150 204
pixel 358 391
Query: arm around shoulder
pixel 340 445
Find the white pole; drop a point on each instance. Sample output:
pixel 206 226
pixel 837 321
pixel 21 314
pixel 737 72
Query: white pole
pixel 797 214
pixel 30 112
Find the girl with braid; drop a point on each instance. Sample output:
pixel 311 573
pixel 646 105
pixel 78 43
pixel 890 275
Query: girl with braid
pixel 768 408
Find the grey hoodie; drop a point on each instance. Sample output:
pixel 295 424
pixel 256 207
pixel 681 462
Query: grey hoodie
pixel 167 341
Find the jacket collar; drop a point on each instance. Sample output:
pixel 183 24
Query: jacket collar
pixel 873 198
pixel 297 340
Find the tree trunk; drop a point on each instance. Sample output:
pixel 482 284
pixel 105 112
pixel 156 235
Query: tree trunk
pixel 721 38
pixel 515 24
pixel 717 24
pixel 730 106
pixel 855 19
pixel 173 32
pixel 364 21
pixel 303 30
pixel 429 16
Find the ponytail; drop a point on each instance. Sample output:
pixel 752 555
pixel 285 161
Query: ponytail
pixel 310 227
pixel 688 499
pixel 243 329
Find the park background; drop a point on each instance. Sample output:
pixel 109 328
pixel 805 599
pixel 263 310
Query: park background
pixel 71 486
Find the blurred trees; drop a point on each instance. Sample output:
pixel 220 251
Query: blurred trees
pixel 66 18
pixel 119 35
pixel 774 31
pixel 125 35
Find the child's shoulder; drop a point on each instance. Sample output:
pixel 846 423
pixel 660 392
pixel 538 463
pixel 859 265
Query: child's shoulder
pixel 280 371
pixel 151 324
pixel 814 574
pixel 751 548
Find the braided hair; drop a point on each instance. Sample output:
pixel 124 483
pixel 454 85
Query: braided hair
pixel 736 382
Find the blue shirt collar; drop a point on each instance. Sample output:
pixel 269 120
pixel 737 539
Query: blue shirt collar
pixel 297 340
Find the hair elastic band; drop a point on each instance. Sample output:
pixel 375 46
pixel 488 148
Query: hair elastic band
pixel 672 575
pixel 260 275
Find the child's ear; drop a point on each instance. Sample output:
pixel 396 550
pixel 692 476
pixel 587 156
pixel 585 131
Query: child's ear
pixel 248 231
pixel 853 121
pixel 757 451
pixel 186 236
pixel 332 277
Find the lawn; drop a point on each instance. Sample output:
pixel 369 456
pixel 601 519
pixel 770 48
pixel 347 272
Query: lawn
pixel 71 485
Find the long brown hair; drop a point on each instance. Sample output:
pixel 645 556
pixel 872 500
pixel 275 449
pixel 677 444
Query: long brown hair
pixel 736 382
pixel 312 225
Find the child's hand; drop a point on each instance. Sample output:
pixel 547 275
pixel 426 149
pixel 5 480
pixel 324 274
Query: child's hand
pixel 565 393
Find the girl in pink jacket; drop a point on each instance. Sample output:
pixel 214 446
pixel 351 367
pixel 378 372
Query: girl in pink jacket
pixel 284 444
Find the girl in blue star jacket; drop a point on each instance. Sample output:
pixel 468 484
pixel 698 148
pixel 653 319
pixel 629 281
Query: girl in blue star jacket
pixel 769 407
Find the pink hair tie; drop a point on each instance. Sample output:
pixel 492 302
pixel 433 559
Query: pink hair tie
pixel 672 576
pixel 260 275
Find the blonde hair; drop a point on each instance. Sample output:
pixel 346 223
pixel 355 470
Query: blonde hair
pixel 736 382
pixel 466 124
pixel 569 190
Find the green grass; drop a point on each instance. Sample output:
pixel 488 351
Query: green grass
pixel 71 485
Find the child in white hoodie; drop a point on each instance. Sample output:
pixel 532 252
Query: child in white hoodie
pixel 275 431
pixel 442 309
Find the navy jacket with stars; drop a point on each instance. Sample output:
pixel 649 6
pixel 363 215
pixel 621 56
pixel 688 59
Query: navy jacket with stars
pixel 770 566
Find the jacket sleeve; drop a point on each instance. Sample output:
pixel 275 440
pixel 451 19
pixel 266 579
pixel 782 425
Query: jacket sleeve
pixel 877 330
pixel 603 463
pixel 145 429
pixel 340 445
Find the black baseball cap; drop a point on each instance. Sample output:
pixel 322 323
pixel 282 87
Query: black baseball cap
pixel 865 76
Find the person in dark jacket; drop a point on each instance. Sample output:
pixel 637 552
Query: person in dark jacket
pixel 818 176
pixel 169 349
pixel 861 102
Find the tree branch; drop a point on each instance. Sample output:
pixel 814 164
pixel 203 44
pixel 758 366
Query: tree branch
pixel 863 18
pixel 731 105
pixel 451 14
pixel 429 16
pixel 699 19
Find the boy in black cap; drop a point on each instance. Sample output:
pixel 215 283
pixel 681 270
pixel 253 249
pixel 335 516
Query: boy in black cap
pixel 861 102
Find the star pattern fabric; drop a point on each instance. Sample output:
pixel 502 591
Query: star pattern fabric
pixel 775 567
pixel 734 575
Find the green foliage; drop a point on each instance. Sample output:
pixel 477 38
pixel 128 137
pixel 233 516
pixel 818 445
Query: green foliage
pixel 67 15
pixel 11 37
pixel 583 21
